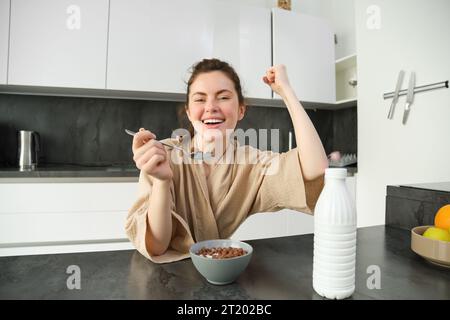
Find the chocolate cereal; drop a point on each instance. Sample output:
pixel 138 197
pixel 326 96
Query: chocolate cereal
pixel 221 252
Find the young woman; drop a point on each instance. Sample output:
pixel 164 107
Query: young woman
pixel 181 202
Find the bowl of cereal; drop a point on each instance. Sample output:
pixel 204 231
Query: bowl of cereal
pixel 221 261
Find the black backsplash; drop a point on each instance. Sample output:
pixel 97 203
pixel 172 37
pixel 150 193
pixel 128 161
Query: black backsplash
pixel 89 131
pixel 345 130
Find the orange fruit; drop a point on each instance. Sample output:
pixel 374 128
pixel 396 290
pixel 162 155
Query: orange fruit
pixel 442 218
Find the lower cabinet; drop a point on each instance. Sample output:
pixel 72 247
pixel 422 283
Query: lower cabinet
pixel 282 223
pixel 40 218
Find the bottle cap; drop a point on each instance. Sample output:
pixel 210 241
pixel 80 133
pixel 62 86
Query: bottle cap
pixel 336 173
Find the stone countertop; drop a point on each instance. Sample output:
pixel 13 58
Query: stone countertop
pixel 281 268
pixel 436 186
pixel 80 171
pixel 72 171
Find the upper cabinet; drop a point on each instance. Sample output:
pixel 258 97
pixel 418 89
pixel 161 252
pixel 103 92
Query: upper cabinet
pixel 150 46
pixel 58 43
pixel 242 36
pixel 153 44
pixel 4 34
pixel 346 79
pixel 305 44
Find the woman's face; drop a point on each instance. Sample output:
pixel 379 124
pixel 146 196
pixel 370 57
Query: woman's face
pixel 213 105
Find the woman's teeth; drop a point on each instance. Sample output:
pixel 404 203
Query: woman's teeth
pixel 212 121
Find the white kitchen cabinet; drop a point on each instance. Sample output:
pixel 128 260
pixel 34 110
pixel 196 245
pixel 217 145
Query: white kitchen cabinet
pixel 38 218
pixel 242 36
pixel 346 79
pixel 153 44
pixel 58 43
pixel 262 225
pixel 301 223
pixel 298 222
pixel 63 214
pixel 282 223
pixel 305 44
pixel 4 34
pixel 43 227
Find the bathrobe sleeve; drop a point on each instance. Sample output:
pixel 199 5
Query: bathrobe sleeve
pixel 282 184
pixel 136 226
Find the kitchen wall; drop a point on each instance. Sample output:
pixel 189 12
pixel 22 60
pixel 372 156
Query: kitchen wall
pixel 390 36
pixel 89 131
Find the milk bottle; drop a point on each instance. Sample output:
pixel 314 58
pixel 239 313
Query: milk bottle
pixel 334 238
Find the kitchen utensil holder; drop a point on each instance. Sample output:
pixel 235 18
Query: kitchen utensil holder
pixel 428 87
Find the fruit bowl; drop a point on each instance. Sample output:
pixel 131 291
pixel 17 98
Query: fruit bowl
pixel 436 252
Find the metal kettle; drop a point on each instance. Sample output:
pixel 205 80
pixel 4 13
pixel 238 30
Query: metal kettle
pixel 28 149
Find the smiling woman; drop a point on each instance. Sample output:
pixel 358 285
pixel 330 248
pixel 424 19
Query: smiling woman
pixel 213 79
pixel 181 202
pixel 214 101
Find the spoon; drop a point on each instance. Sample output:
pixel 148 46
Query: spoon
pixel 198 155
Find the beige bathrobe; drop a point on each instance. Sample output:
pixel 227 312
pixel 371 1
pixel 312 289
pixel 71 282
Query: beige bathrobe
pixel 245 181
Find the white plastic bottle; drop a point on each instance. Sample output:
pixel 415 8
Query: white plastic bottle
pixel 334 238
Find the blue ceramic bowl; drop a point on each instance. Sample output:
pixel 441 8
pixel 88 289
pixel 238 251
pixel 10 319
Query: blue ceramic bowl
pixel 220 271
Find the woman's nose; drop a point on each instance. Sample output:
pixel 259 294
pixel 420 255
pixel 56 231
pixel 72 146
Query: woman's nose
pixel 211 106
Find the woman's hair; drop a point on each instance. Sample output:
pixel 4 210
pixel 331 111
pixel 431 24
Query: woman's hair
pixel 205 66
pixel 209 65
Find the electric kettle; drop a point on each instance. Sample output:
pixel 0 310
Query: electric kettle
pixel 28 149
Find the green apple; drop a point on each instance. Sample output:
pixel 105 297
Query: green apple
pixel 437 234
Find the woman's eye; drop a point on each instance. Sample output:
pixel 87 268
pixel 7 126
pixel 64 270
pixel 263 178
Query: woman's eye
pixel 224 98
pixel 199 100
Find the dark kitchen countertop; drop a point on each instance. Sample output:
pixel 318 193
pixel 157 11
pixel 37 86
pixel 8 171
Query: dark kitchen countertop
pixel 281 268
pixel 436 186
pixel 79 171
pixel 72 171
